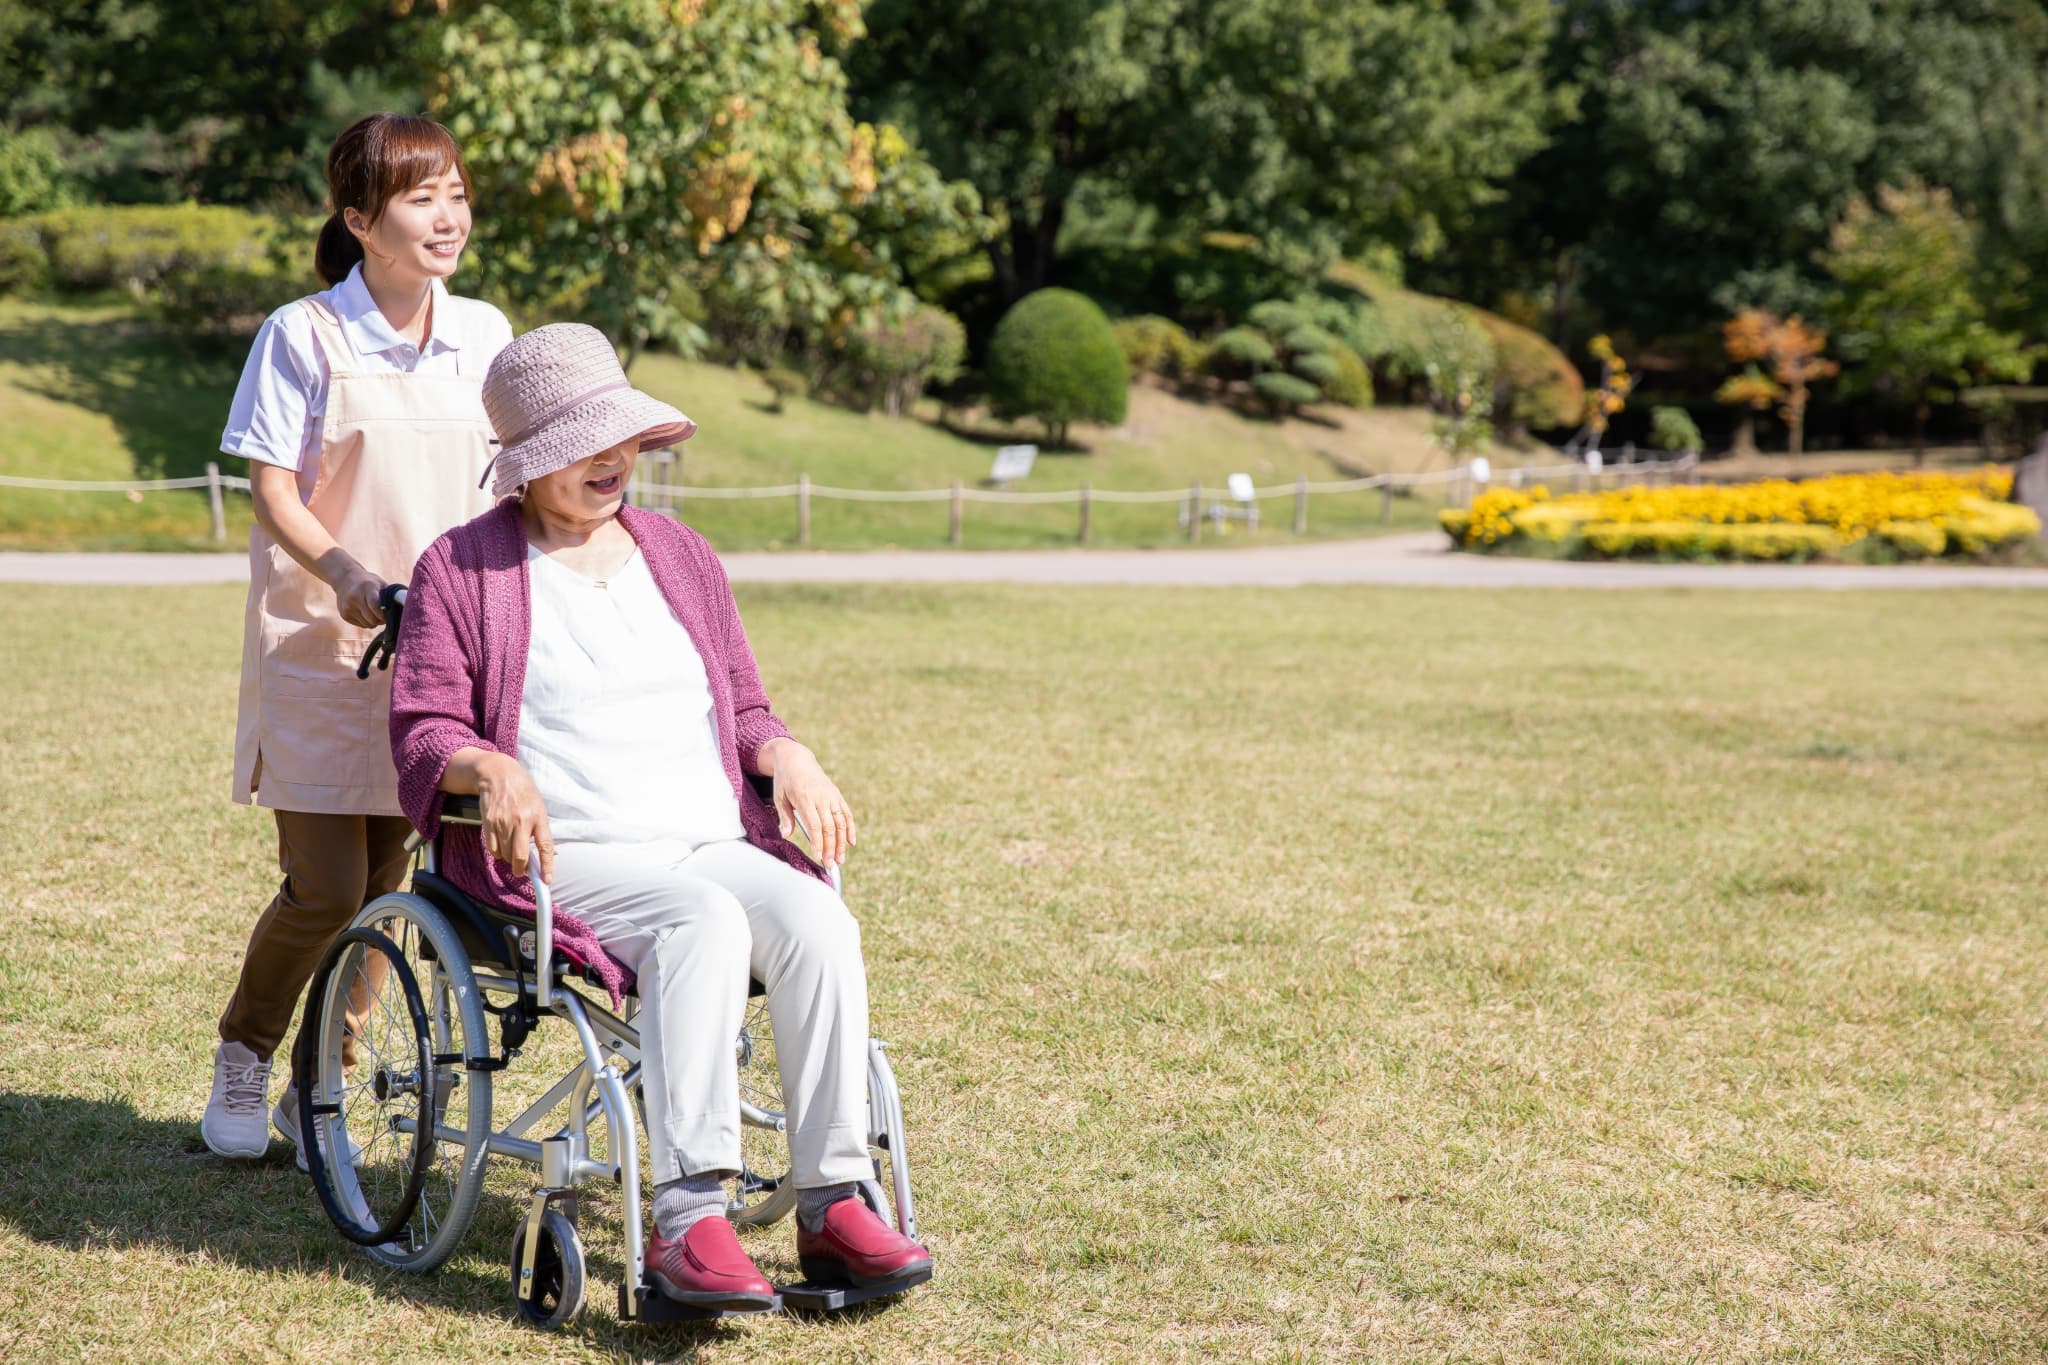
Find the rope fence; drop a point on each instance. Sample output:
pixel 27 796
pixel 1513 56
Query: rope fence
pixel 1460 483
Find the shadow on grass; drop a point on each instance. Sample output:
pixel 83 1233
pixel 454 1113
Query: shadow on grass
pixel 92 1174
pixel 167 394
pixel 981 436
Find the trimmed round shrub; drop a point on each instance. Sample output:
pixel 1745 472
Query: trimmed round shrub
pixel 1159 346
pixel 1243 347
pixel 1284 391
pixel 1055 357
pixel 1351 385
pixel 1317 367
pixel 1674 429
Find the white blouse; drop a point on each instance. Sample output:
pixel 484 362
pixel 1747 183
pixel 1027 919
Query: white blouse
pixel 281 402
pixel 615 722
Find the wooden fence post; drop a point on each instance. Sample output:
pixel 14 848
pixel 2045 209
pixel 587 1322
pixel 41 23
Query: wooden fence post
pixel 1301 505
pixel 803 509
pixel 1386 501
pixel 213 502
pixel 1194 511
pixel 953 533
pixel 1085 497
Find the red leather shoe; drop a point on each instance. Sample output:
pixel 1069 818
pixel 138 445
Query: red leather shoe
pixel 705 1267
pixel 853 1245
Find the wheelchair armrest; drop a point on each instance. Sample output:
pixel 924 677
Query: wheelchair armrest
pixel 461 810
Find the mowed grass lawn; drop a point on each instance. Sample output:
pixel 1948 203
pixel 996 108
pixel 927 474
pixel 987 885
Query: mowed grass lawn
pixel 1278 975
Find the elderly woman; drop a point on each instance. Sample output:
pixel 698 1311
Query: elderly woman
pixel 580 666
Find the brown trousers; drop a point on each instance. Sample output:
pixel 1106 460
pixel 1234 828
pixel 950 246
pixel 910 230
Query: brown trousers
pixel 333 865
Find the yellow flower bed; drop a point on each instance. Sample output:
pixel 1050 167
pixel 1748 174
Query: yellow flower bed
pixel 1906 516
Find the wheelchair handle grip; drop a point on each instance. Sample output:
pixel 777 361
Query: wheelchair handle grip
pixel 392 602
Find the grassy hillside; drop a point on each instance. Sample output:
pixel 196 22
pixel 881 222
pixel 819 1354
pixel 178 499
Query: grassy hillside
pixel 98 393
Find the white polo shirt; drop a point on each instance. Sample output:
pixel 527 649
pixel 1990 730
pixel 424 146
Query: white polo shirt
pixel 282 399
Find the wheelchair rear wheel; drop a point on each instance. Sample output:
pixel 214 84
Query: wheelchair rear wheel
pixel 763 1192
pixel 398 986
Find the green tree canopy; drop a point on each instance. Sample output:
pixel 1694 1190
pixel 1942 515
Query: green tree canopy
pixel 1337 125
pixel 1716 141
pixel 1906 312
pixel 233 103
pixel 634 158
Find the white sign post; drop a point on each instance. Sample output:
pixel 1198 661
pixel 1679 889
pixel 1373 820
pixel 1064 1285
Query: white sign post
pixel 1012 463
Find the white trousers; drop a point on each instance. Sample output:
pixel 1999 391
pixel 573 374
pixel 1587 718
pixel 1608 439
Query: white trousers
pixel 694 926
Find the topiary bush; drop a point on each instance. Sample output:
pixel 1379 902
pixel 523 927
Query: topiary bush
pixel 132 246
pixel 1351 385
pixel 1674 429
pixel 1055 357
pixel 1284 392
pixel 1160 347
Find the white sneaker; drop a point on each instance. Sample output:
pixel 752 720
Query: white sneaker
pixel 285 1118
pixel 233 1123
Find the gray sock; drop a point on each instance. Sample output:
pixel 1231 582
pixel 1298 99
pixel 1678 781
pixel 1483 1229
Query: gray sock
pixel 811 1204
pixel 680 1203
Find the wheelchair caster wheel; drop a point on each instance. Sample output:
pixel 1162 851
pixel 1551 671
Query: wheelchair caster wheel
pixel 557 1272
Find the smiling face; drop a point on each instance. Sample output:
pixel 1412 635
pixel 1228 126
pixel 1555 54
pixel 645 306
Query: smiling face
pixel 422 230
pixel 590 490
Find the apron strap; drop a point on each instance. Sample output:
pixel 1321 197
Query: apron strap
pixel 327 334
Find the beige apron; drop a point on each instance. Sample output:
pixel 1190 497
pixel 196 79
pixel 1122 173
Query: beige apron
pixel 400 458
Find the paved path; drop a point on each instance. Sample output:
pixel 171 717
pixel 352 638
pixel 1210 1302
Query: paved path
pixel 1417 560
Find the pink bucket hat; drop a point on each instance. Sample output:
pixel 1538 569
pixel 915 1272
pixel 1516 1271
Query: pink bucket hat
pixel 557 395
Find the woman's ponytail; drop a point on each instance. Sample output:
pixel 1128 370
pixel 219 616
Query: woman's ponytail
pixel 337 252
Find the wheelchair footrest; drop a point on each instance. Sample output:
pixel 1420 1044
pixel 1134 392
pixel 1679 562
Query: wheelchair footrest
pixel 819 1296
pixel 656 1306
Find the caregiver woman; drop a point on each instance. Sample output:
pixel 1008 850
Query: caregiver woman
pixel 361 414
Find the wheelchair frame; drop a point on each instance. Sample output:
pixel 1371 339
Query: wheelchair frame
pixel 603 1084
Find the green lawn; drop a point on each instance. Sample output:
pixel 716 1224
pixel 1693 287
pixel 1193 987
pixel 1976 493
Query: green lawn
pixel 1281 975
pixel 100 393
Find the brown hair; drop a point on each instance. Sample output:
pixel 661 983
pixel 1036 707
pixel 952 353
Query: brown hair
pixel 375 160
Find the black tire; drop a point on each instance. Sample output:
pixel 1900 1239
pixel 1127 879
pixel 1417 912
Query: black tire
pixel 558 1278
pixel 400 1057
pixel 437 979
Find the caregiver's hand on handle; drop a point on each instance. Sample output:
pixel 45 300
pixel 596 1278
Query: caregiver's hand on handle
pixel 515 818
pixel 274 491
pixel 804 793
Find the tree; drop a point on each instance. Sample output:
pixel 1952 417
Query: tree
pixel 1906 311
pixel 1792 353
pixel 1751 392
pixel 1609 398
pixel 1055 357
pixel 649 164
pixel 235 103
pixel 1331 125
pixel 1714 143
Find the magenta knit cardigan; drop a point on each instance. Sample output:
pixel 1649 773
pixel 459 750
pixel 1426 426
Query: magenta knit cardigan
pixel 460 669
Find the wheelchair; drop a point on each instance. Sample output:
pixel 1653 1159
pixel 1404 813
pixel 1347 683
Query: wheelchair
pixel 415 988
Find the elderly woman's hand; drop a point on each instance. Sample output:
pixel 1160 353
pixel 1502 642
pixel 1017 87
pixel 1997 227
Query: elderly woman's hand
pixel 803 792
pixel 515 818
